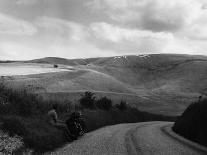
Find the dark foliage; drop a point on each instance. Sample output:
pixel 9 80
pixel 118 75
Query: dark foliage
pixel 36 133
pixel 99 118
pixel 104 103
pixel 22 103
pixel 19 102
pixel 14 125
pixel 122 106
pixel 7 61
pixel 24 114
pixel 55 66
pixel 192 124
pixel 88 100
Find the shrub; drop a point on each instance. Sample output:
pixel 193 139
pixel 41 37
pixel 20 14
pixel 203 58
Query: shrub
pixel 88 100
pixel 99 118
pixel 9 145
pixel 14 125
pixel 18 102
pixel 36 132
pixel 55 66
pixel 62 107
pixel 22 103
pixel 192 123
pixel 23 114
pixel 122 106
pixel 104 103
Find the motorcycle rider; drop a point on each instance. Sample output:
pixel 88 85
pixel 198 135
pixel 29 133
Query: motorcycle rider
pixel 53 120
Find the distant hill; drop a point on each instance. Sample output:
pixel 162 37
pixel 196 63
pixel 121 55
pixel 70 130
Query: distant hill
pixel 123 61
pixel 161 83
pixel 6 61
pixel 56 60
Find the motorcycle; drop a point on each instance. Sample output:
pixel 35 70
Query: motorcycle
pixel 76 126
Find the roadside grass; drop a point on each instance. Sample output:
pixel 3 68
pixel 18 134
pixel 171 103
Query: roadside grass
pixel 25 115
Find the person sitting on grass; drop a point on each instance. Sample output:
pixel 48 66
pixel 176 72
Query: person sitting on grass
pixel 52 115
pixel 53 120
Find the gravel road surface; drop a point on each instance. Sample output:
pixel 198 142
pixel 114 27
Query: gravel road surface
pixel 149 138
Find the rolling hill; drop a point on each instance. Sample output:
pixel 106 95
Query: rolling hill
pixel 159 83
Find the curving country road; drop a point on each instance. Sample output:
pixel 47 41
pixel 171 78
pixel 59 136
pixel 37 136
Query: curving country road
pixel 149 138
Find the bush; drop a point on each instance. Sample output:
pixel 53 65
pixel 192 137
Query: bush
pixel 14 125
pixel 99 118
pixel 36 133
pixel 22 103
pixel 192 123
pixel 63 108
pixel 24 114
pixel 10 145
pixel 55 66
pixel 104 103
pixel 122 106
pixel 16 102
pixel 88 100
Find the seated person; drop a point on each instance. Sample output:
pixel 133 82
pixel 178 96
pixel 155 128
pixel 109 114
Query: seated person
pixel 53 120
pixel 52 115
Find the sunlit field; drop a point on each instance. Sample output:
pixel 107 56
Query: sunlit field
pixel 12 69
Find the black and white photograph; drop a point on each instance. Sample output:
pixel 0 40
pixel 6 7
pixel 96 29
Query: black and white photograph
pixel 103 77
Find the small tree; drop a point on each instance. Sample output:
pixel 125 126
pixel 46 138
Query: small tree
pixel 104 103
pixel 122 106
pixel 88 100
pixel 55 66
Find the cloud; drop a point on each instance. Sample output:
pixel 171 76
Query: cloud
pixel 155 15
pixel 15 26
pixel 48 26
pixel 24 50
pixel 17 51
pixel 138 26
pixel 53 37
pixel 108 36
pixel 27 2
pixel 197 30
pixel 116 33
pixel 61 28
pixel 134 41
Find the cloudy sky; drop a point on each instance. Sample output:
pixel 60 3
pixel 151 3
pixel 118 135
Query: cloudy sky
pixel 90 28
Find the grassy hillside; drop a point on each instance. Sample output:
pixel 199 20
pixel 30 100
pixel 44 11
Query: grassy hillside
pixel 160 83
